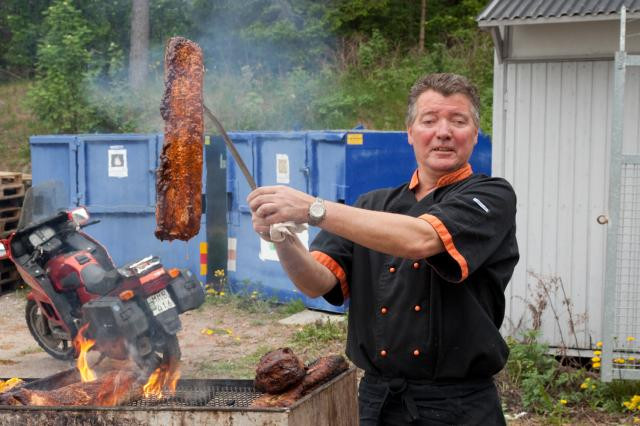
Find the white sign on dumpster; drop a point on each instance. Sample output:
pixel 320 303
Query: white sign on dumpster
pixel 117 157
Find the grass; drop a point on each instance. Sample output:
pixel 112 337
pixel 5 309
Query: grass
pixel 16 125
pixel 238 368
pixel 31 350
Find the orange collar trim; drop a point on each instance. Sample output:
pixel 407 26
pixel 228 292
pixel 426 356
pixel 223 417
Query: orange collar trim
pixel 453 177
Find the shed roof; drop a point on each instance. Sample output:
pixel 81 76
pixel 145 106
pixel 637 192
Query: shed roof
pixel 510 12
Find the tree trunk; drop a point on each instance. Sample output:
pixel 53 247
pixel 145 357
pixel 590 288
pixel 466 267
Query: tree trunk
pixel 423 12
pixel 139 53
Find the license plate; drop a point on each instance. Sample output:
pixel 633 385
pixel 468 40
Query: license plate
pixel 160 302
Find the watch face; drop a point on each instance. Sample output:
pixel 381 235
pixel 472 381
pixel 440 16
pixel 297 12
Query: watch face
pixel 316 210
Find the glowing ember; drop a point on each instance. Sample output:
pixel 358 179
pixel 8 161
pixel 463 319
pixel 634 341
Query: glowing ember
pixel 82 346
pixel 161 380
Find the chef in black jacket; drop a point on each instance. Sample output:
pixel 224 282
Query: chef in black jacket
pixel 424 265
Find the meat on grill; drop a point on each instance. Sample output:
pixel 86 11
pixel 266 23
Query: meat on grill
pixel 278 370
pixel 114 388
pixel 179 176
pixel 320 371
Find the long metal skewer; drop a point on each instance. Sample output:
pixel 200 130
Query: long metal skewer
pixel 232 148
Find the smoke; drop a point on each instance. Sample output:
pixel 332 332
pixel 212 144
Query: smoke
pixel 266 62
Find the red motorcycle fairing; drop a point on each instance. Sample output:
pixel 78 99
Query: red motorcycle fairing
pixel 81 272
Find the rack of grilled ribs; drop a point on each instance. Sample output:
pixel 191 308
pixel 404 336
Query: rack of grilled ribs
pixel 318 372
pixel 179 175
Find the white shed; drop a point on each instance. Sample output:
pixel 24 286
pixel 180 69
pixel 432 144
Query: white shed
pixel 555 115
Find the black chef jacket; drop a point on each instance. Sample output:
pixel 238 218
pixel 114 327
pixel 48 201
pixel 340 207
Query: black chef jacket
pixel 436 318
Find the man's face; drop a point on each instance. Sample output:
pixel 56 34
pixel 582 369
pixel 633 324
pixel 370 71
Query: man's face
pixel 443 133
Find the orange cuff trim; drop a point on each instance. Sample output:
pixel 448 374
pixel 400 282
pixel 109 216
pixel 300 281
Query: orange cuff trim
pixel 447 240
pixel 333 266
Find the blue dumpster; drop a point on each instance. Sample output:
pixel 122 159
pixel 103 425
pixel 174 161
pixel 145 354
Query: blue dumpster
pixel 335 165
pixel 113 175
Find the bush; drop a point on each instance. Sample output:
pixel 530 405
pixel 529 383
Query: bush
pixel 58 96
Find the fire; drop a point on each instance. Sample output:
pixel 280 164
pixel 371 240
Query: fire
pixel 82 346
pixel 163 377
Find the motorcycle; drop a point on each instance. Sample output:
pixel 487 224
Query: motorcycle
pixel 132 311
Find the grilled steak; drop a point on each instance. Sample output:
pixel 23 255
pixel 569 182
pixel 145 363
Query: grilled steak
pixel 114 388
pixel 179 176
pixel 320 371
pixel 278 370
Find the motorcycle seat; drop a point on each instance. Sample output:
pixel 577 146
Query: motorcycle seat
pixel 99 281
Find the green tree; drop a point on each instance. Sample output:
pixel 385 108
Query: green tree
pixel 58 95
pixel 20 22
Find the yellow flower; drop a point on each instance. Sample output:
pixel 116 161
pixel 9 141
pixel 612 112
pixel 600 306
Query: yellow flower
pixel 596 365
pixel 229 331
pixel 630 339
pixel 222 293
pixel 597 353
pixel 563 401
pixel 636 420
pixel 631 358
pixel 593 386
pixel 584 386
pixel 599 344
pixel 619 360
pixel 211 291
pixel 209 332
pixel 219 273
pixel 595 359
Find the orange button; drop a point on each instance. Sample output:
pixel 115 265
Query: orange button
pixel 417 308
pixel 383 353
pixel 416 352
pixel 392 269
pixel 416 265
pixel 384 310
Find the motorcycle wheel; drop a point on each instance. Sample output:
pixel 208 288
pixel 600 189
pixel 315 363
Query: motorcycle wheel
pixel 169 355
pixel 40 329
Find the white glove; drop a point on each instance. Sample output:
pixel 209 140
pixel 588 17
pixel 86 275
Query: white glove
pixel 279 231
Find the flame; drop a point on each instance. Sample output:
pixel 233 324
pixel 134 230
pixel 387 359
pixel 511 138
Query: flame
pixel 161 380
pixel 82 346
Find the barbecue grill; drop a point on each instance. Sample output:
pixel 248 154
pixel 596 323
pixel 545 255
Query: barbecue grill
pixel 199 402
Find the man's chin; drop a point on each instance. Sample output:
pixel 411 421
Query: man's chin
pixel 442 167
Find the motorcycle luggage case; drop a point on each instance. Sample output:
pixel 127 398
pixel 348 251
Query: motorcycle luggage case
pixel 186 291
pixel 110 318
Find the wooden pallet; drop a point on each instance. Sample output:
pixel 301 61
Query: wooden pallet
pixel 9 276
pixel 10 191
pixel 9 178
pixel 7 226
pixel 26 181
pixel 10 212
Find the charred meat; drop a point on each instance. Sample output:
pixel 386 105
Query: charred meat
pixel 179 176
pixel 318 372
pixel 279 370
pixel 114 388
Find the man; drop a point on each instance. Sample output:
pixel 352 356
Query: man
pixel 424 265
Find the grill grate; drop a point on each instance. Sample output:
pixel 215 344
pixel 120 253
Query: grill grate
pixel 212 396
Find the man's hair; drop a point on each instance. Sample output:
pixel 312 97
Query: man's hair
pixel 446 84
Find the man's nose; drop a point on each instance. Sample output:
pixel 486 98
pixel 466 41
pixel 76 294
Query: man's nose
pixel 443 130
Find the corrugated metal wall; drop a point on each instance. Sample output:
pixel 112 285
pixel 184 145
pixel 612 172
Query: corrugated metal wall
pixel 551 140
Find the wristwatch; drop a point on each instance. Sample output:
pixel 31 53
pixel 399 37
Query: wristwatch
pixel 317 212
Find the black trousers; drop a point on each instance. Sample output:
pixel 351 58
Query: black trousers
pixel 395 402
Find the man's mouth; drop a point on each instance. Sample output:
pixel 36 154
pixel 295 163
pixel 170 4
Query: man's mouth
pixel 443 149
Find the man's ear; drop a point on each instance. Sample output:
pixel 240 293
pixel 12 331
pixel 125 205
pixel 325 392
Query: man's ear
pixel 410 135
pixel 475 138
